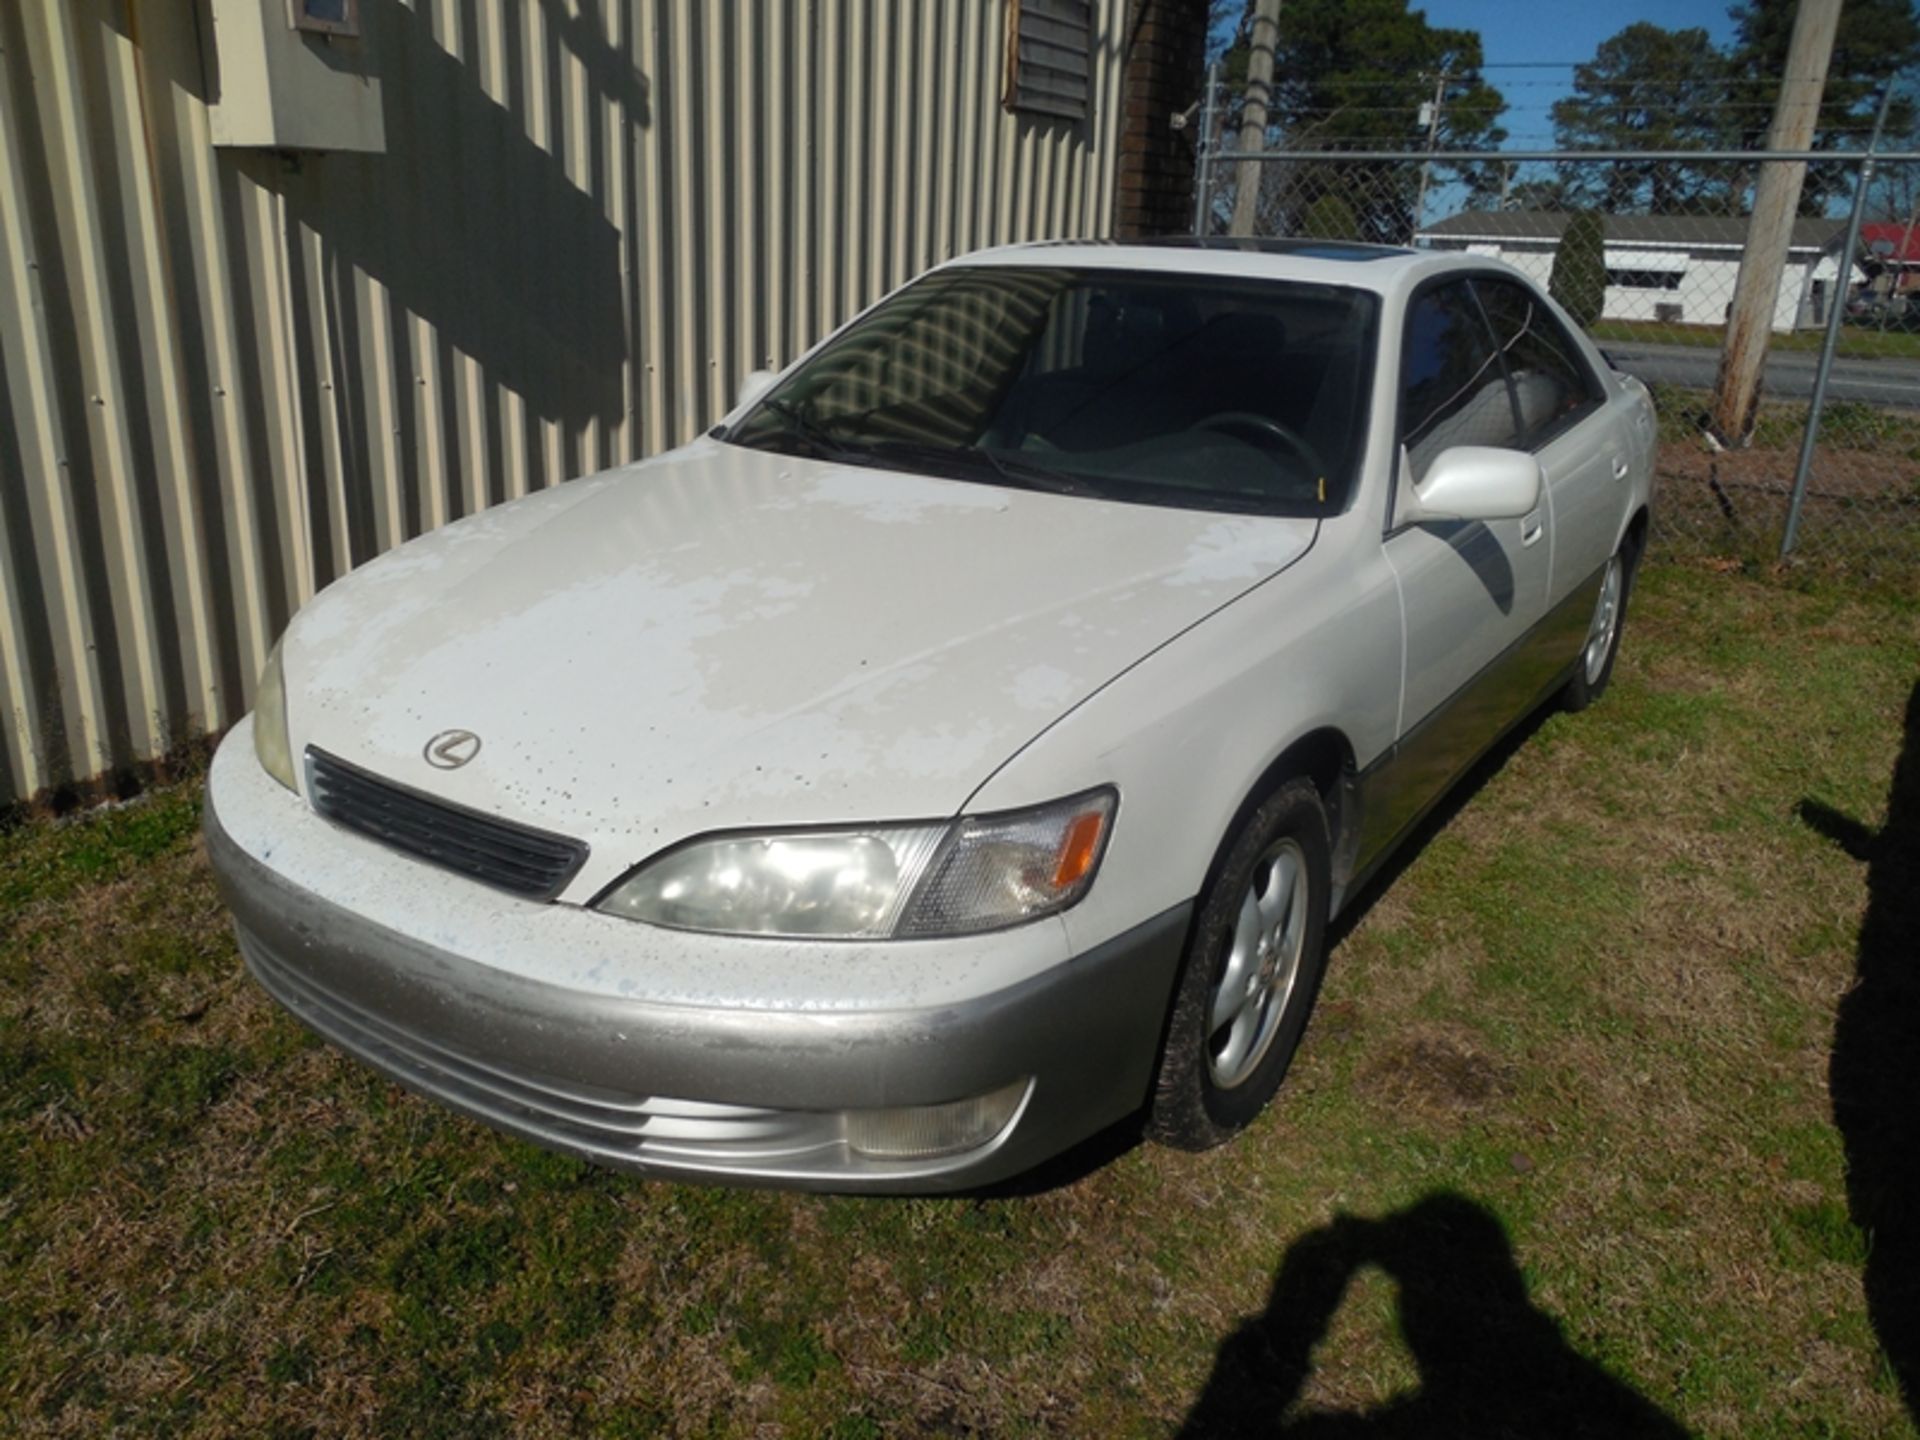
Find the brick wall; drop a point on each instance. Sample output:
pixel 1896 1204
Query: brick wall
pixel 1166 48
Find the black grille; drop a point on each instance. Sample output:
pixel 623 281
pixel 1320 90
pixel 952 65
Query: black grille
pixel 496 852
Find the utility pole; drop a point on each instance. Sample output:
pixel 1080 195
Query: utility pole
pixel 1253 125
pixel 1433 138
pixel 1776 201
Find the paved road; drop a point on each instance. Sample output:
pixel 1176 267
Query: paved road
pixel 1789 374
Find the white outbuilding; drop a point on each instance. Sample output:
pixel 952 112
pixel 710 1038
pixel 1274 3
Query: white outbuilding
pixel 1662 269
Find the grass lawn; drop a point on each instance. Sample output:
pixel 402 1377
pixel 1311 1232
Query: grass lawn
pixel 1559 1146
pixel 1861 341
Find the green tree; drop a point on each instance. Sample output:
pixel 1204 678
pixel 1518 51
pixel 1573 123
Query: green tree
pixel 1354 74
pixel 1579 276
pixel 1895 191
pixel 1330 218
pixel 1876 41
pixel 1649 88
pixel 1544 193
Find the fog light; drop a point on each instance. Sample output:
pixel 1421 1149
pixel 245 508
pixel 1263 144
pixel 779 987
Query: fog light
pixel 921 1132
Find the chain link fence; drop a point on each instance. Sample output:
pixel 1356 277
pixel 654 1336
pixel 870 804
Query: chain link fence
pixel 1646 251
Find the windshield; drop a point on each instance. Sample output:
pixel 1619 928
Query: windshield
pixel 1188 390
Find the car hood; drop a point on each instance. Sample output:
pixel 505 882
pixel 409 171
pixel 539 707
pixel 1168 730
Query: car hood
pixel 723 637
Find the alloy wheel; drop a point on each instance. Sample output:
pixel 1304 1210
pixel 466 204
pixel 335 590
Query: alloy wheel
pixel 1249 1000
pixel 1606 619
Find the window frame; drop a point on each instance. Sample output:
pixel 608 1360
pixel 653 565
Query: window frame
pixel 1596 395
pixel 1420 292
pixel 349 26
pixel 1469 275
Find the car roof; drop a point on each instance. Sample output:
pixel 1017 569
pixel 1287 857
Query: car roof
pixel 1381 268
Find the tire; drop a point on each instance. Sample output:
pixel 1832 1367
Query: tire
pixel 1594 668
pixel 1215 1078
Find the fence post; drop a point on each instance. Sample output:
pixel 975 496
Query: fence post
pixel 1836 315
pixel 1253 124
pixel 1426 169
pixel 1203 171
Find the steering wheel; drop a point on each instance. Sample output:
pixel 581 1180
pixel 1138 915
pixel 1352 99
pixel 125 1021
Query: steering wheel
pixel 1265 428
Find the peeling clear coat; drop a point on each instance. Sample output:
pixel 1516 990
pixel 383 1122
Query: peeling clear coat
pixel 724 638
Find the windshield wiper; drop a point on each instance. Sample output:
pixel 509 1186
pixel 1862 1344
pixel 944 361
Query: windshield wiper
pixel 1020 474
pixel 817 437
pixel 822 443
pixel 1029 475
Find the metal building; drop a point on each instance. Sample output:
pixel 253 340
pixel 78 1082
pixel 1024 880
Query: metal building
pixel 252 335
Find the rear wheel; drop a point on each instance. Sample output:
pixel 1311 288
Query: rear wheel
pixel 1251 973
pixel 1595 668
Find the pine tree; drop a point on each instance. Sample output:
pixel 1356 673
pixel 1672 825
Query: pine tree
pixel 1330 218
pixel 1579 277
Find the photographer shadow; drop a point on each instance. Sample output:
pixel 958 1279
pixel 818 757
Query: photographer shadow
pixel 1491 1364
pixel 1874 1075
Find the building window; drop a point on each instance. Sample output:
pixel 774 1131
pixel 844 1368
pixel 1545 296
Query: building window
pixel 1644 279
pixel 328 17
pixel 1049 50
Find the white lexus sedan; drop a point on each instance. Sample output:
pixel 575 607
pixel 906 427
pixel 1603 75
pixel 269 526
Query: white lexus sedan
pixel 963 747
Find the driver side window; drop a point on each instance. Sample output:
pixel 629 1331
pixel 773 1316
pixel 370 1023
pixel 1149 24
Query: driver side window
pixel 1453 388
pixel 1551 383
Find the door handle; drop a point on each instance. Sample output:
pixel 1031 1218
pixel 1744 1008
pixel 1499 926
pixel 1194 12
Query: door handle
pixel 1620 467
pixel 1530 528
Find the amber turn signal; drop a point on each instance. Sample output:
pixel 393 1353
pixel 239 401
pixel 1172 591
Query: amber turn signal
pixel 1079 848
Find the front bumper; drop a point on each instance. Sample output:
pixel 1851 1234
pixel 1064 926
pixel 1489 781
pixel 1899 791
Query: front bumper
pixel 734 1089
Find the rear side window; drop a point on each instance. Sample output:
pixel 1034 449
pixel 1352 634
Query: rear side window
pixel 1551 384
pixel 1453 390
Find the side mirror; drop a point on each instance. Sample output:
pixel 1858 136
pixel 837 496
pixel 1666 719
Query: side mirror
pixel 1472 482
pixel 753 387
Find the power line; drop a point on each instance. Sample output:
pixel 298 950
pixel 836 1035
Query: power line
pixel 1362 82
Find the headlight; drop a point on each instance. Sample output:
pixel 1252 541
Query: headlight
pixel 907 881
pixel 270 723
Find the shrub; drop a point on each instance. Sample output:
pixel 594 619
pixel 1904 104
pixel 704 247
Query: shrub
pixel 1579 277
pixel 1330 218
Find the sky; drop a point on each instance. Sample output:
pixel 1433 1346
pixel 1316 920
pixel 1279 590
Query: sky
pixel 1531 48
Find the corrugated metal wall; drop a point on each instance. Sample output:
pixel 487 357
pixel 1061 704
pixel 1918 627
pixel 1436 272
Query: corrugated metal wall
pixel 230 376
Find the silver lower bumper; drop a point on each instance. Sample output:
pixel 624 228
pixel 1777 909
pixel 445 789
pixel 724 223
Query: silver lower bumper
pixel 732 1095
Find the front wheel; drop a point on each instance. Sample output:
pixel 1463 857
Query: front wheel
pixel 1251 973
pixel 1595 668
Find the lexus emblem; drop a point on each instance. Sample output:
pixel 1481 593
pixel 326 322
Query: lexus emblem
pixel 451 749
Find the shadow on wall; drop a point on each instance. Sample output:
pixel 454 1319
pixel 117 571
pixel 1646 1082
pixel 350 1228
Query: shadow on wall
pixel 1490 1363
pixel 1874 1076
pixel 467 225
pixel 476 230
pixel 472 226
